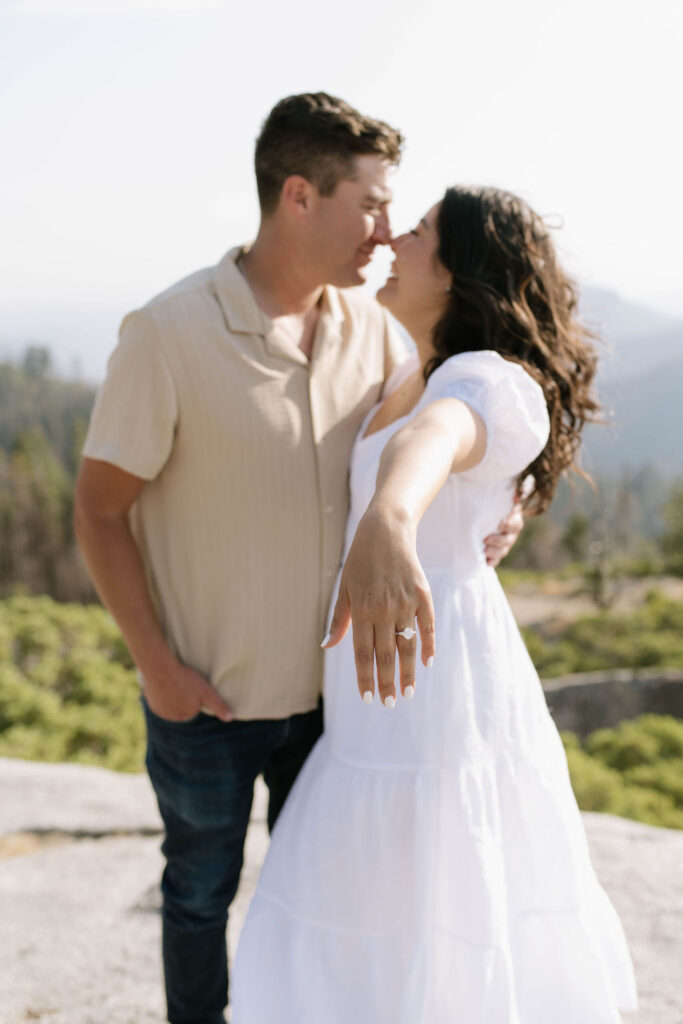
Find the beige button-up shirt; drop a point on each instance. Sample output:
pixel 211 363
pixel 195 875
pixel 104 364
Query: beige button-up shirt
pixel 246 446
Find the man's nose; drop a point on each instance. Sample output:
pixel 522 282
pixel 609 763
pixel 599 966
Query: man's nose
pixel 382 233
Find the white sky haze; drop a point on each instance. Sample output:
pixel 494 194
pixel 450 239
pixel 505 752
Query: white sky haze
pixel 128 127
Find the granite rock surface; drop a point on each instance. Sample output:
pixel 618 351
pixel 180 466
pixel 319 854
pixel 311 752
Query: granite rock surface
pixel 79 871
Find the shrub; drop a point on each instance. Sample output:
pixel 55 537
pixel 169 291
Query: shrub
pixel 595 786
pixel 649 637
pixel 664 777
pixel 623 747
pixel 68 691
pixel 634 770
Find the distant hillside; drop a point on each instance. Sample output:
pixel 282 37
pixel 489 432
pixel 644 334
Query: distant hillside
pixel 637 339
pixel 647 421
pixel 642 354
pixel 641 382
pixel 618 318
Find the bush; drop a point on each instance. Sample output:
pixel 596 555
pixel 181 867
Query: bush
pixel 68 690
pixel 623 747
pixel 649 637
pixel 667 730
pixel 634 770
pixel 664 777
pixel 594 785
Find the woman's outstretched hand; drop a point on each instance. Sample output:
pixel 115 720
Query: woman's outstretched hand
pixel 383 591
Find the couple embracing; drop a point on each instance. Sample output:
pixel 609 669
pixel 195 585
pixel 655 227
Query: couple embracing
pixel 261 424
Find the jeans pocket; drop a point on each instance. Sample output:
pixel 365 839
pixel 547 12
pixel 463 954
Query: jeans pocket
pixel 167 722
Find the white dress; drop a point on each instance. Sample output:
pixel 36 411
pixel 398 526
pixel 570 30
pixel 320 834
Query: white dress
pixel 430 865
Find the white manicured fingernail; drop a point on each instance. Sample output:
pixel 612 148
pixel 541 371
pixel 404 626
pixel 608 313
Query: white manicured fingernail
pixel 389 701
pixel 326 640
pixel 430 661
pixel 367 697
pixel 408 692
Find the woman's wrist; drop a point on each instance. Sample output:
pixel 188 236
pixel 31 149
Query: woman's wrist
pixel 392 512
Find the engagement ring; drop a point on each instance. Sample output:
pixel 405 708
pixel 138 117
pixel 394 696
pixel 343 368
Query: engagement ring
pixel 408 633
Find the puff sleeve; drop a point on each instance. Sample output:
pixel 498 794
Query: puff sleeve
pixel 509 401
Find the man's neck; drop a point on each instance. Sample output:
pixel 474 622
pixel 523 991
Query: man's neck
pixel 278 279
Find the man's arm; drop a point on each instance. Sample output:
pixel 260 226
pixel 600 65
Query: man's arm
pixel 383 588
pixel 104 496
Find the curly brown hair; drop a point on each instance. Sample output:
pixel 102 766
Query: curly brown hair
pixel 317 136
pixel 509 294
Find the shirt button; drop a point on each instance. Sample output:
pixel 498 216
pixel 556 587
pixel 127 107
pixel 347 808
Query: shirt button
pixel 329 509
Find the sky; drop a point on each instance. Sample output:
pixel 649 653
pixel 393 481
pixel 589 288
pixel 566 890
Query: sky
pixel 128 131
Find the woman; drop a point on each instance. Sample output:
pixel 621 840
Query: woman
pixel 430 866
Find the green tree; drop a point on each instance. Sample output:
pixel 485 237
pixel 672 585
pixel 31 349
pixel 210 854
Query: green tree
pixel 34 513
pixel 538 545
pixel 576 537
pixel 37 362
pixel 671 540
pixel 43 421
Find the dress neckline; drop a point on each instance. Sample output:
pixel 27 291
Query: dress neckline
pixel 412 363
pixel 366 437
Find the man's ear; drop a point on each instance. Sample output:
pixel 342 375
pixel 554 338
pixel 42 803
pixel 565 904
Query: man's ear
pixel 297 195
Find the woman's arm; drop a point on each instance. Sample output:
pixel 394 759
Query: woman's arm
pixel 383 588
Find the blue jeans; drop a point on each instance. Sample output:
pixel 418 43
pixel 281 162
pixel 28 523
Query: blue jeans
pixel 203 772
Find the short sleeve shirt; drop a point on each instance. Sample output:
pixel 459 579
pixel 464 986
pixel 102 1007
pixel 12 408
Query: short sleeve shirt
pixel 245 446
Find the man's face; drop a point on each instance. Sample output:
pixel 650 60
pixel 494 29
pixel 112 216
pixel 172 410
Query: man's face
pixel 347 225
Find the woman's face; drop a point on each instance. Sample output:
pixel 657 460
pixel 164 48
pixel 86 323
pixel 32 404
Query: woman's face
pixel 416 290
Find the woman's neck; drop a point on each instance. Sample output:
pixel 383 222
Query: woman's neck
pixel 425 347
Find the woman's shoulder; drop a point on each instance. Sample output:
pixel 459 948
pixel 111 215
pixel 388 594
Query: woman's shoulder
pixel 508 399
pixel 487 373
pixel 485 364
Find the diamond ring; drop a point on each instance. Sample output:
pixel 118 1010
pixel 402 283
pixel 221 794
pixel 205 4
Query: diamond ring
pixel 408 632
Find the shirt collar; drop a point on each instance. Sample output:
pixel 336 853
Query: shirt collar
pixel 241 311
pixel 332 305
pixel 243 315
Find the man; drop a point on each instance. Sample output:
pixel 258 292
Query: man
pixel 212 500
